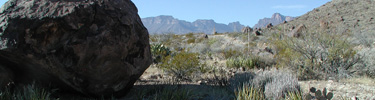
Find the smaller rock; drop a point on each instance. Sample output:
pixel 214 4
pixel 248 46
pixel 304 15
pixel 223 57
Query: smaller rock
pixel 269 25
pixel 157 76
pixel 202 82
pixel 257 33
pixel 268 49
pixel 323 25
pixel 297 32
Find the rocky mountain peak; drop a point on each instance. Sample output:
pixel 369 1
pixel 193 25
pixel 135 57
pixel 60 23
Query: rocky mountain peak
pixel 276 19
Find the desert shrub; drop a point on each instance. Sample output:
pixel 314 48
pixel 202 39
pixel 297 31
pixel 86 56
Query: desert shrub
pixel 199 48
pixel 276 84
pixel 248 62
pixel 221 78
pixel 368 59
pixel 317 54
pixel 182 65
pixel 167 39
pixel 190 35
pixel 200 40
pixel 159 51
pixel 237 34
pixel 211 41
pixel 273 84
pixel 191 40
pixel 231 53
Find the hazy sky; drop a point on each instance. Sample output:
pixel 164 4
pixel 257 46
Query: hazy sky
pixel 248 12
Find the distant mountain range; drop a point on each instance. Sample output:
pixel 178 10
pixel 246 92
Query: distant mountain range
pixel 276 19
pixel 169 24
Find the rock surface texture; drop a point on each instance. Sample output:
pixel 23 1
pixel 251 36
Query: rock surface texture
pixel 95 47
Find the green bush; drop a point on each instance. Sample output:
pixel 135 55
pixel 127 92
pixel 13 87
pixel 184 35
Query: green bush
pixel 182 65
pixel 159 51
pixel 191 40
pixel 166 39
pixel 231 53
pixel 190 35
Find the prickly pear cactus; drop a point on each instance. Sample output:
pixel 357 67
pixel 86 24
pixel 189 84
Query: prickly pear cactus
pixel 318 95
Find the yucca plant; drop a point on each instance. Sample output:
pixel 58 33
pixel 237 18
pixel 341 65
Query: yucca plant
pixel 248 92
pixel 240 62
pixel 294 96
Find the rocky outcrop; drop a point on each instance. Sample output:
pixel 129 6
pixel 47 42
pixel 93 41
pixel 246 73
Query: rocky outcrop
pixel 276 19
pixel 257 32
pixel 297 32
pixel 247 30
pixel 95 47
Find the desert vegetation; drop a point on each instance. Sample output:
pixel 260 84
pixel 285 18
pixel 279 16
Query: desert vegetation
pixel 267 66
pixel 228 66
pixel 231 66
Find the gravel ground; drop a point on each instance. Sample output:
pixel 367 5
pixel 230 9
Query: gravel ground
pixel 363 91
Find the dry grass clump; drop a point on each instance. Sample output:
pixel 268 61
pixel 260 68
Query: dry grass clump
pixel 271 84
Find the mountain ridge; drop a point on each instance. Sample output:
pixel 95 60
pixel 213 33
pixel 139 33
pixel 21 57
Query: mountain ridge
pixel 168 24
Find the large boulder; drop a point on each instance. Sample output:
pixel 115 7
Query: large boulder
pixel 95 47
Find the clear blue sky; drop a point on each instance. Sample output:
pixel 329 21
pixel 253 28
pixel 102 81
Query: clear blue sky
pixel 248 12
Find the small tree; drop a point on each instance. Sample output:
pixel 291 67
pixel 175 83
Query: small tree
pixel 317 53
pixel 181 65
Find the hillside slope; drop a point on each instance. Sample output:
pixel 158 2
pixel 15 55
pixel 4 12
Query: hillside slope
pixel 339 16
